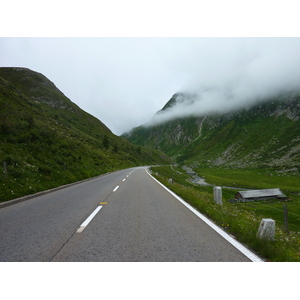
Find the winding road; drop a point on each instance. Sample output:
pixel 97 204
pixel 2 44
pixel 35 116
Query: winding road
pixel 123 216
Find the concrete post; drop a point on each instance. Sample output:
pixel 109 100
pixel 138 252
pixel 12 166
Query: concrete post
pixel 218 195
pixel 266 229
pixel 171 181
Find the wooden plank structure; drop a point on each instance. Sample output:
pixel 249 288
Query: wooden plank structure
pixel 257 195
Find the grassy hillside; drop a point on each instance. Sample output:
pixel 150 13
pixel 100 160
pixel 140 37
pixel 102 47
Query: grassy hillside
pixel 47 141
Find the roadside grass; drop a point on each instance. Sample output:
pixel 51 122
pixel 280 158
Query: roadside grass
pixel 260 179
pixel 250 178
pixel 239 219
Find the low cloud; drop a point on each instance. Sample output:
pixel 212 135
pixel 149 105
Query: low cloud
pixel 233 75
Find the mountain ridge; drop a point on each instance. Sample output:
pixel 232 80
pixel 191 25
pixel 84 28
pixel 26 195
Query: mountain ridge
pixel 265 134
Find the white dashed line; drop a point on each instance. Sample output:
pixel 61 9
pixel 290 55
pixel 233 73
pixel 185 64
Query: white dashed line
pixel 115 188
pixel 88 220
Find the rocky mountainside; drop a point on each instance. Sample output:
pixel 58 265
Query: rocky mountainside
pixel 46 140
pixel 39 89
pixel 36 87
pixel 266 134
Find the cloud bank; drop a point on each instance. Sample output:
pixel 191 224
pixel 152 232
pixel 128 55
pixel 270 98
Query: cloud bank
pixel 228 74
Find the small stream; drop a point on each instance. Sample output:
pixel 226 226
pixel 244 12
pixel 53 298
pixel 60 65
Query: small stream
pixel 199 180
pixel 195 178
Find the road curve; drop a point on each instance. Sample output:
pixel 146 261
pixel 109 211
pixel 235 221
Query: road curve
pixel 123 216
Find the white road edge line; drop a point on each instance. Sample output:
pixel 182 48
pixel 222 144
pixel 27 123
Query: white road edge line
pixel 88 220
pixel 115 188
pixel 224 234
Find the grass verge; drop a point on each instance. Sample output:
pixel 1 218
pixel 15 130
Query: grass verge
pixel 241 221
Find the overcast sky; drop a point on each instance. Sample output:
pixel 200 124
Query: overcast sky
pixel 124 81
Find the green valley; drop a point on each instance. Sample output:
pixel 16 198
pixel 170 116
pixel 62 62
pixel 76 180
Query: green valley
pixel 255 147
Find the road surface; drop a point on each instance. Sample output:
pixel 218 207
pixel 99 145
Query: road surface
pixel 123 216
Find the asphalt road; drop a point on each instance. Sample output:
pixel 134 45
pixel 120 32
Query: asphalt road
pixel 123 216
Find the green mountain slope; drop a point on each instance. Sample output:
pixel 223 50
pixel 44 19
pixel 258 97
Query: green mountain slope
pixel 46 140
pixel 264 135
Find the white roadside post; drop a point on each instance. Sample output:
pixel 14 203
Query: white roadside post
pixel 218 195
pixel 266 229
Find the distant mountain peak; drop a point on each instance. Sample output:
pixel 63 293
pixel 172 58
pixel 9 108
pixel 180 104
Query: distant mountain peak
pixel 180 98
